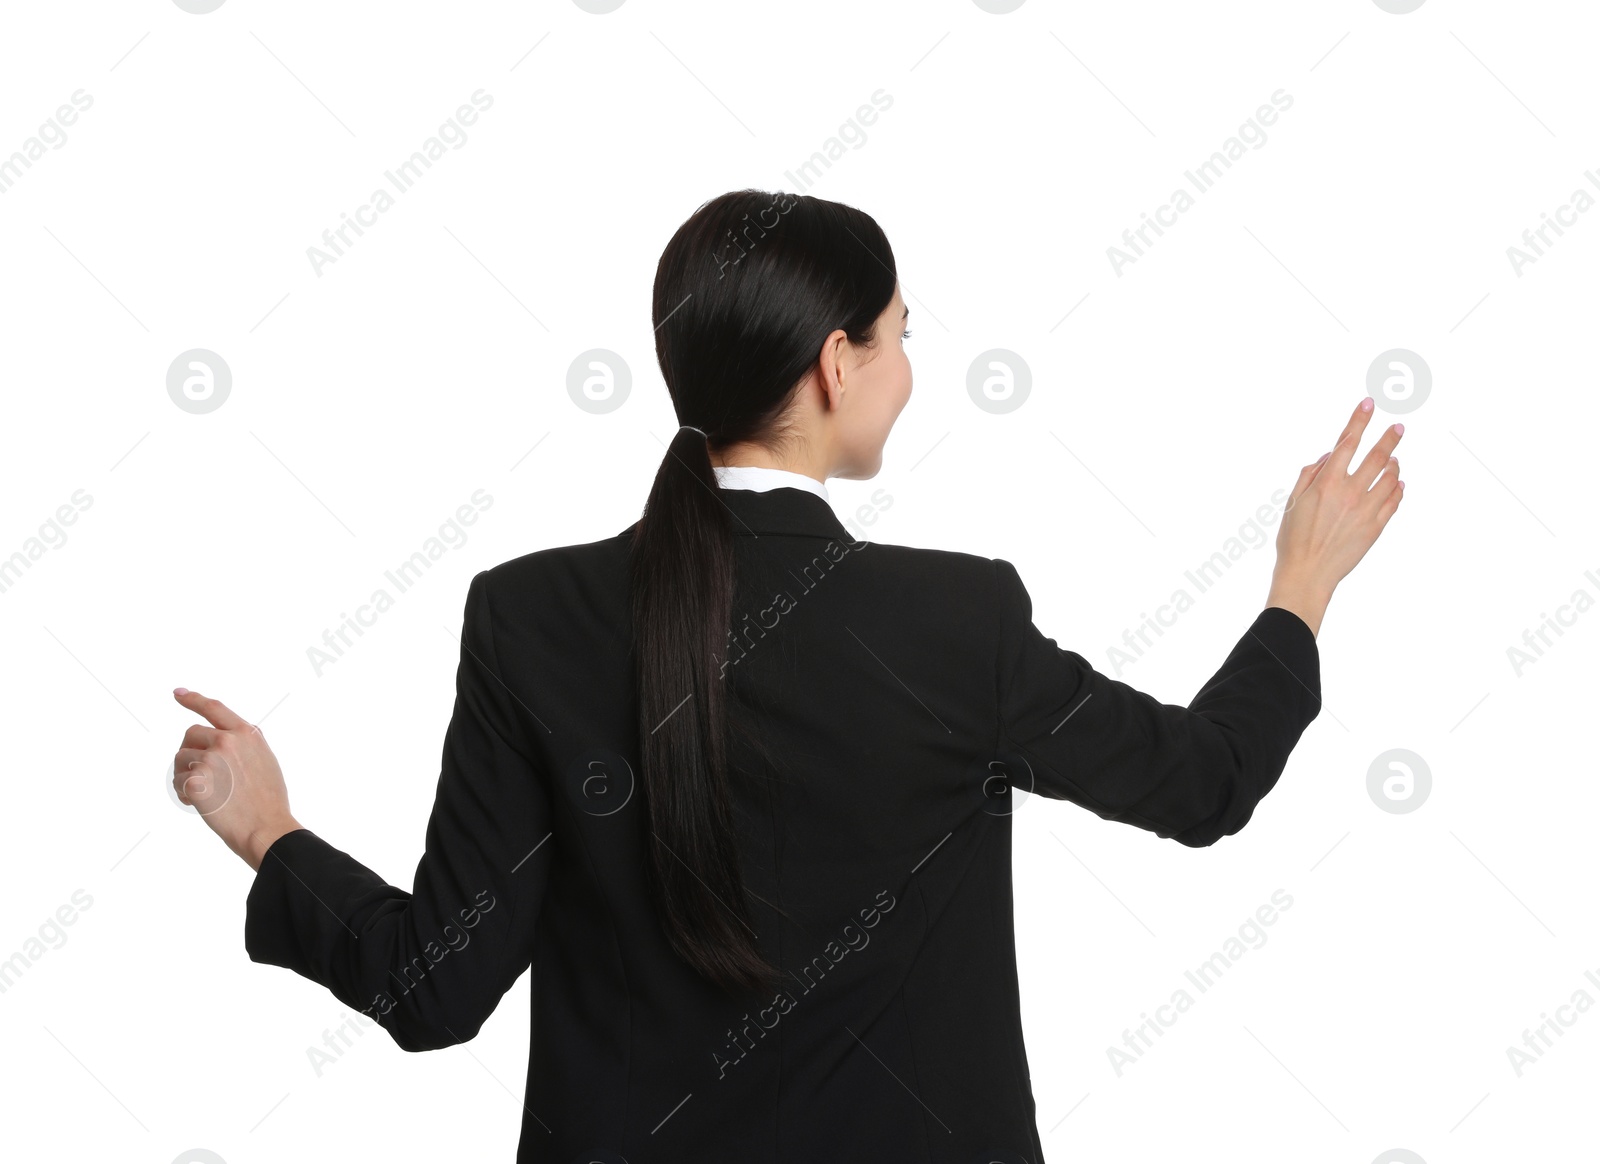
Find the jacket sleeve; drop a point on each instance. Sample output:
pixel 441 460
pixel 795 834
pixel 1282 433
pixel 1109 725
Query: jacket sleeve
pixel 1193 774
pixel 430 965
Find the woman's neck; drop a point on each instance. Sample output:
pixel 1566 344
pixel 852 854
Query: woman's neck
pixel 758 457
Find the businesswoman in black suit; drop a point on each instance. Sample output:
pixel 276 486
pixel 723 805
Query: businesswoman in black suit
pixel 737 787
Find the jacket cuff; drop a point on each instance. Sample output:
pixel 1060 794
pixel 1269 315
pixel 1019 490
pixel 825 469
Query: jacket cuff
pixel 1285 635
pixel 282 882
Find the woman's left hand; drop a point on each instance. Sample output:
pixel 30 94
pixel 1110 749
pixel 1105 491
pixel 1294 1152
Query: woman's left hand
pixel 230 775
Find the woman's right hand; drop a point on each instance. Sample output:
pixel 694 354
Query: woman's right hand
pixel 1333 516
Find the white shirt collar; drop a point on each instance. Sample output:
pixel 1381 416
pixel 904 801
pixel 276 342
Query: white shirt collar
pixel 760 478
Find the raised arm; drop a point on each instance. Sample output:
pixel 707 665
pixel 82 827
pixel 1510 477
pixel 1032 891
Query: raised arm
pixel 1195 773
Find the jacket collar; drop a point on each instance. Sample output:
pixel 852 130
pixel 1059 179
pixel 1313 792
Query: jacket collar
pixel 784 511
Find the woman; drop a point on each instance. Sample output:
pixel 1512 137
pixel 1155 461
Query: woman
pixel 738 787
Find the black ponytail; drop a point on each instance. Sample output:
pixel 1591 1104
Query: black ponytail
pixel 745 293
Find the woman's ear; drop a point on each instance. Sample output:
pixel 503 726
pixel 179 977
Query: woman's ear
pixel 831 365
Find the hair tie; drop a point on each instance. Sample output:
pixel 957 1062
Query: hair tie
pixel 692 428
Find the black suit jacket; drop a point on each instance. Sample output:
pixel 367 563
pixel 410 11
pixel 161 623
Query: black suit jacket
pixel 895 707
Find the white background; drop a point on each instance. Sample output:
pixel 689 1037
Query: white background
pixel 1168 403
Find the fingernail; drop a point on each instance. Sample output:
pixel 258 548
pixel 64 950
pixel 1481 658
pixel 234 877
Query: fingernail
pixel 1399 430
pixel 180 691
pixel 1324 456
pixel 1366 405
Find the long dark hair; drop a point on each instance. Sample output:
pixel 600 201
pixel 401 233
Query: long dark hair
pixel 745 293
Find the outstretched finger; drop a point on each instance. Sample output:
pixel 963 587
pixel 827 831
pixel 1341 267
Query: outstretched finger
pixel 1378 456
pixel 1345 447
pixel 217 712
